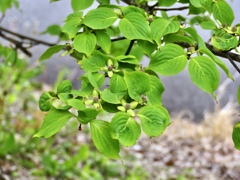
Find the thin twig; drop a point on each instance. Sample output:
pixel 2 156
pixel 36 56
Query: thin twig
pixel 223 54
pixel 18 45
pixel 33 40
pixel 234 64
pixel 130 47
pixel 171 9
pixel 118 39
pixel 3 15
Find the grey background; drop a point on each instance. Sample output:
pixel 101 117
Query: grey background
pixel 180 93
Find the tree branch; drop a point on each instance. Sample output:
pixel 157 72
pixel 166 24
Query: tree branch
pixel 224 54
pixel 130 47
pixel 171 9
pixel 32 40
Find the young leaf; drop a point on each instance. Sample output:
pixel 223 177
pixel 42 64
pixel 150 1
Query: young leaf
pixel 135 26
pixel 117 84
pixel 125 129
pixel 85 43
pixel 236 135
pixel 81 5
pixel 161 27
pixel 222 12
pixel 76 104
pixel 138 83
pixel 102 139
pixel 45 101
pixel 87 115
pixel 104 41
pixel 100 18
pixel 50 51
pixel 169 61
pixel 53 122
pixel 154 120
pixel 225 42
pixel 154 95
pixel 113 98
pixel 204 74
pixel 130 59
pixel 64 87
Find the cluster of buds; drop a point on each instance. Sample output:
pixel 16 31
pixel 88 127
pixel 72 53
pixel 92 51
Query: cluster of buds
pixel 111 68
pixel 94 100
pixel 128 107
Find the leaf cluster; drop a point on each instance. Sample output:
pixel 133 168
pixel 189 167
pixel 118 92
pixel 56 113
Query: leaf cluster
pixel 108 43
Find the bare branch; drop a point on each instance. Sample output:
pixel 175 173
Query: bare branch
pixel 32 40
pixel 171 9
pixel 130 47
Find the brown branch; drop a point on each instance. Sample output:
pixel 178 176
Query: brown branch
pixel 18 45
pixel 224 54
pixel 171 9
pixel 33 40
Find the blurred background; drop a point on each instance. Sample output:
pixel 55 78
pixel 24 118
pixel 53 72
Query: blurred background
pixel 198 121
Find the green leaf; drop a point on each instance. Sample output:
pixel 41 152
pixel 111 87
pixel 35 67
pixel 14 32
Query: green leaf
pixel 154 120
pixel 161 27
pixel 85 43
pixel 72 25
pixel 236 135
pixel 195 36
pixel 147 47
pixel 204 74
pixel 135 26
pixel 238 95
pixel 224 42
pixel 102 139
pixel 104 41
pixel 196 3
pixel 117 84
pixel 125 129
pixel 64 87
pixel 100 18
pixel 154 95
pixel 138 83
pixel 130 59
pixel 78 5
pixel 129 9
pixel 54 29
pixel 87 115
pixel 222 12
pixel 201 3
pixel 170 38
pixel 95 62
pixel 45 101
pixel 169 61
pixel 76 104
pixel 110 108
pixel 104 1
pixel 50 51
pixel 95 79
pixel 113 98
pixel 218 61
pixel 166 2
pixel 53 122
